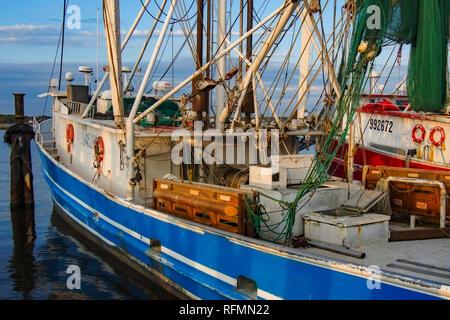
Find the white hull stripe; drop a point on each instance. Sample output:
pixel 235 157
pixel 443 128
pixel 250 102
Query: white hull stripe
pixel 214 273
pixel 112 244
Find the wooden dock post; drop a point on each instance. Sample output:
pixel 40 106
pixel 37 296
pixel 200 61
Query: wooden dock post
pixel 18 137
pixel 23 263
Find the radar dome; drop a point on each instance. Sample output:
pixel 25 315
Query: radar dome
pixel 69 76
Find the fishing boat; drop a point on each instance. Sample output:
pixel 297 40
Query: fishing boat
pixel 208 190
pixel 406 127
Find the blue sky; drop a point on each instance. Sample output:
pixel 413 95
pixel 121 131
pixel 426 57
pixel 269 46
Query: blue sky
pixel 29 32
pixel 29 29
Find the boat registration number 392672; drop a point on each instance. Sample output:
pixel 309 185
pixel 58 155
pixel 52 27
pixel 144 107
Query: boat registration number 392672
pixel 381 125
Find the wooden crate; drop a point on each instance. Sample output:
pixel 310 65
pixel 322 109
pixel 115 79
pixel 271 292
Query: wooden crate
pixel 407 197
pixel 222 208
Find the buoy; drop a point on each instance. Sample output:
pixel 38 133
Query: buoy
pixel 437 143
pixel 69 136
pixel 421 128
pixel 99 151
pixel 363 47
pixel 371 55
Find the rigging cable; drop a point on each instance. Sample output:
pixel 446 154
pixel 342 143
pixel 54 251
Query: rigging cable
pixel 53 70
pixel 175 21
pixel 62 45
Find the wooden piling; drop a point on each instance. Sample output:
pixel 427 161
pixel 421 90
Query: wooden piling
pixel 18 137
pixel 23 262
pixel 19 107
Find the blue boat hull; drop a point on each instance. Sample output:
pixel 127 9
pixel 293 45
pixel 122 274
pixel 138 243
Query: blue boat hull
pixel 201 262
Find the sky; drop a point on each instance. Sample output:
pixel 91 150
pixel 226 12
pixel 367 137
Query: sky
pixel 29 33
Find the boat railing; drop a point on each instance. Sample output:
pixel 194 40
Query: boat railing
pixel 77 108
pixel 43 132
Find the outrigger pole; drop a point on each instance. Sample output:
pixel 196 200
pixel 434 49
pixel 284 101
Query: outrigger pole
pixel 207 65
pixel 124 44
pixel 221 94
pixel 273 36
pixel 137 101
pixel 141 54
pixel 111 17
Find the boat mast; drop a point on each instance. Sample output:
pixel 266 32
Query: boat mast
pixel 248 105
pixel 222 63
pixel 289 7
pixel 200 97
pixel 111 16
pixel 106 75
pixel 62 44
pixel 137 101
pixel 304 66
pixel 214 60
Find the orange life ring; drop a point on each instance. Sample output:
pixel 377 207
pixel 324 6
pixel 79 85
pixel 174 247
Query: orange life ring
pixel 69 136
pixel 99 151
pixel 442 132
pixel 422 136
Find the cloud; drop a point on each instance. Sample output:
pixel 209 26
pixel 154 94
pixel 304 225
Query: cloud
pixel 48 35
pixel 29 34
pixel 16 31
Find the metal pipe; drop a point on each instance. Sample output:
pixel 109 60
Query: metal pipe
pixel 144 83
pixel 289 9
pixel 112 31
pixel 105 77
pixel 199 97
pixel 350 157
pixel 137 101
pixel 304 64
pixel 327 63
pixel 258 76
pixel 221 63
pixel 135 23
pixel 141 54
pixel 426 182
pixel 206 66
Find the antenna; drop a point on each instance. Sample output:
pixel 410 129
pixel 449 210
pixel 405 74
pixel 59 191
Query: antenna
pixel 54 82
pixel 139 69
pixel 87 71
pixel 69 77
pixel 125 71
pixel 373 75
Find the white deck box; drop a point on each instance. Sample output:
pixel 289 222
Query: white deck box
pixel 348 231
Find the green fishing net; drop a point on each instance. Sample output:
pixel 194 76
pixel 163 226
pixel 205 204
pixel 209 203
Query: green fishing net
pixel 427 72
pixel 423 24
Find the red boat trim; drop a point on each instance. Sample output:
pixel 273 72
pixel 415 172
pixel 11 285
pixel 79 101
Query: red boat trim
pixel 376 157
pixel 399 114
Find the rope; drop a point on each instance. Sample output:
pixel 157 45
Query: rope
pixel 355 80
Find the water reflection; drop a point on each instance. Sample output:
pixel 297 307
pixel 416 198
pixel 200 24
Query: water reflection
pixel 22 264
pixel 36 249
pixel 103 276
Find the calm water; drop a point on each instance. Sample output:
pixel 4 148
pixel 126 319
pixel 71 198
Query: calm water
pixel 34 267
